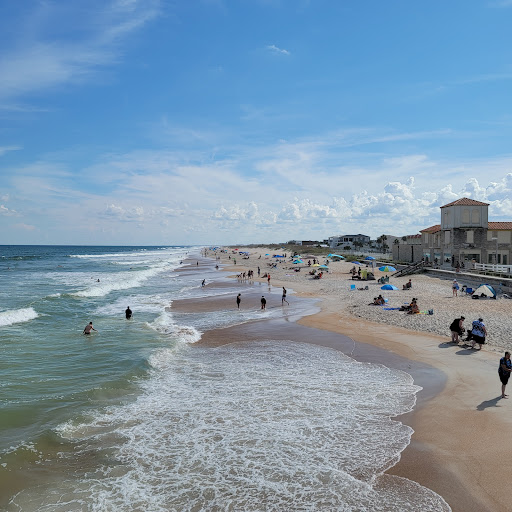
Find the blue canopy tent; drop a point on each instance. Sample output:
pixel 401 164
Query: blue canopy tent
pixel 388 287
pixel 369 258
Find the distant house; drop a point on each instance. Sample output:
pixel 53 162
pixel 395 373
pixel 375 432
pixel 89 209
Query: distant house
pixel 348 241
pixel 309 243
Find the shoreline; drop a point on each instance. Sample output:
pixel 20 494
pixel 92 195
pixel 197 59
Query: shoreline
pixel 447 453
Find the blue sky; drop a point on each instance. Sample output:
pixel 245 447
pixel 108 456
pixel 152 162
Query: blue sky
pixel 231 121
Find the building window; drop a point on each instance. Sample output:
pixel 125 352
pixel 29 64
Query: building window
pixel 475 216
pixel 470 237
pixel 446 237
pixel 465 216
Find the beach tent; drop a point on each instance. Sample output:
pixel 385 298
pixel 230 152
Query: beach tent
pixel 486 289
pixel 297 261
pixel 369 258
pixel 388 287
pixel 387 269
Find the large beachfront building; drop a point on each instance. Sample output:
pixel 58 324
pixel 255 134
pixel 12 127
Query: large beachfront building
pixel 466 235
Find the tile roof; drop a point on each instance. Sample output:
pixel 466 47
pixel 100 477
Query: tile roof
pixel 465 201
pixel 431 229
pixel 496 226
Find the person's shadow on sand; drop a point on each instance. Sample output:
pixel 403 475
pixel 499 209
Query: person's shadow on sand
pixel 489 403
pixel 446 344
pixel 466 351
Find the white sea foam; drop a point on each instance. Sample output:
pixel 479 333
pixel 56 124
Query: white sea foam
pixel 166 324
pixel 265 426
pixel 120 281
pixel 17 316
pixel 138 303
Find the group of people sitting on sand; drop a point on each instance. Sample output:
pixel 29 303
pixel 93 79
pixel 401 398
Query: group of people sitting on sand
pixel 412 308
pixel 378 301
pixel 318 276
pixel 408 285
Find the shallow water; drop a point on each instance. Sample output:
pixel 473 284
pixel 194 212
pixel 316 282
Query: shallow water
pixel 136 417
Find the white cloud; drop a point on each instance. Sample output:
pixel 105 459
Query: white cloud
pixel 5 149
pixel 43 61
pixel 275 49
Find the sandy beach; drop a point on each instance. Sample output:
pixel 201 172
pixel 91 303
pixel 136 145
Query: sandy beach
pixel 461 424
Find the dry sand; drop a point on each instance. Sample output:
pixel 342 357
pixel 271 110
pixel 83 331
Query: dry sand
pixel 460 445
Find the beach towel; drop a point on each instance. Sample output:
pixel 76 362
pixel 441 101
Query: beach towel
pixel 390 309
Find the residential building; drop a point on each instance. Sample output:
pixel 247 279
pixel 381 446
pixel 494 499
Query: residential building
pixel 348 242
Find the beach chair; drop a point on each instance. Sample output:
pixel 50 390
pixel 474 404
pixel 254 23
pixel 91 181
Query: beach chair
pixel 469 291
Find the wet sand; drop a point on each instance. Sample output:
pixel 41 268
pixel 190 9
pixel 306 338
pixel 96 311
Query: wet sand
pixel 459 448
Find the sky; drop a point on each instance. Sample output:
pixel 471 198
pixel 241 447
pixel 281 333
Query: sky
pixel 170 122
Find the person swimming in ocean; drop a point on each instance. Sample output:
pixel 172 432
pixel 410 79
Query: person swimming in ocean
pixel 128 313
pixel 88 328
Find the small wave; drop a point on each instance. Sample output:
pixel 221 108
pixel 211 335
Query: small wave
pixel 165 324
pixel 17 316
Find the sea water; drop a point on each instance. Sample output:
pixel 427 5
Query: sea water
pixel 136 417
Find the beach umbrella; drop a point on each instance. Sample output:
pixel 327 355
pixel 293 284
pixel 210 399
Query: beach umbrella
pixel 356 262
pixel 388 287
pixel 336 256
pixel 316 265
pixel 267 254
pixel 323 266
pixel 387 268
pixel 369 258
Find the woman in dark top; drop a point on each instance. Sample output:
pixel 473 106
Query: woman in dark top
pixel 504 372
pixel 457 329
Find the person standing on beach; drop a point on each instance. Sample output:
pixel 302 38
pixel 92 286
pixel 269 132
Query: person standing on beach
pixel 283 298
pixel 478 333
pixel 238 300
pixel 455 288
pixel 457 328
pixel 258 271
pixel 128 313
pixel 268 278
pixel 203 283
pixel 88 328
pixel 263 302
pixel 504 372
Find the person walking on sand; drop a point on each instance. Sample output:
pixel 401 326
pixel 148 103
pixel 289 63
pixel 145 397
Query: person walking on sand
pixel 283 298
pixel 263 302
pixel 455 288
pixel 504 372
pixel 88 328
pixel 457 328
pixel 238 300
pixel 478 333
pixel 128 313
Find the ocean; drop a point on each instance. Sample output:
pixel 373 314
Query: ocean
pixel 137 417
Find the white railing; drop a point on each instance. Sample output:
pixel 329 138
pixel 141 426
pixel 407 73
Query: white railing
pixel 497 269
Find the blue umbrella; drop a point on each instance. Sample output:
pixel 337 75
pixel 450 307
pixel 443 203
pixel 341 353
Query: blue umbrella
pixel 388 287
pixel 369 258
pixel 387 269
pixel 323 266
pixel 336 256
pixel 356 263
